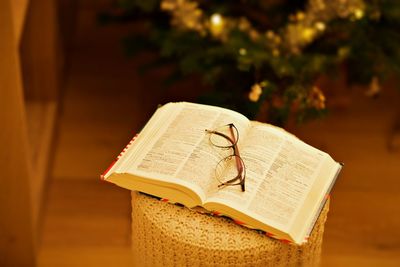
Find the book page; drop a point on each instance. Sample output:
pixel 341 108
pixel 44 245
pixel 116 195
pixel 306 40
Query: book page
pixel 176 145
pixel 280 171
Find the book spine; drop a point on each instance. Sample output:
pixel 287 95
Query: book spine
pixel 102 176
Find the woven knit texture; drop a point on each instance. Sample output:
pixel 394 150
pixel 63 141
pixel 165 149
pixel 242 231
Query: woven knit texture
pixel 164 234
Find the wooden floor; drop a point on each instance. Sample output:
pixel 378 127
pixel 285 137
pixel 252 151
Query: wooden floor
pixel 87 222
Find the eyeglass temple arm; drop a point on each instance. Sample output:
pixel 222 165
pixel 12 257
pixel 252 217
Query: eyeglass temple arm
pixel 221 134
pixel 240 166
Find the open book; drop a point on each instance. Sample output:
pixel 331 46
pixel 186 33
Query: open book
pixel 173 157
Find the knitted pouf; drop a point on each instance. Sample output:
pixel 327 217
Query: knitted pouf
pixel 169 235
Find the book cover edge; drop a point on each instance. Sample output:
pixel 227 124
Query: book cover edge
pixel 105 173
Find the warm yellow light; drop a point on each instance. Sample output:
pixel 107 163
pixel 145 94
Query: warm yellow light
pixel 308 34
pixel 216 19
pixel 216 24
pixel 255 93
pixel 270 34
pixel 300 16
pixel 320 26
pixel 358 13
pixel 242 51
pixel 343 52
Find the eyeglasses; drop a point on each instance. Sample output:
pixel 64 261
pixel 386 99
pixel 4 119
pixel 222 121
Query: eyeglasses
pixel 231 169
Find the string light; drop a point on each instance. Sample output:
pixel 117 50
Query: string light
pixel 255 92
pixel 216 19
pixel 308 34
pixel 359 13
pixel 275 52
pixel 217 24
pixel 320 26
pixel 304 27
pixel 316 98
pixel 300 16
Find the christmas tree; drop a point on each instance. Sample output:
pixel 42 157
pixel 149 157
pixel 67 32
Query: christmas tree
pixel 264 58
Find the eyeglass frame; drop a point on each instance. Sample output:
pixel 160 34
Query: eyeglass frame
pixel 241 176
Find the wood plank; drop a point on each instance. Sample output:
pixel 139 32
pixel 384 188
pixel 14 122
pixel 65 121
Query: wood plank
pixel 100 219
pixel 86 256
pixel 374 229
pixel 362 259
pixel 17 236
pixel 109 111
pixel 96 231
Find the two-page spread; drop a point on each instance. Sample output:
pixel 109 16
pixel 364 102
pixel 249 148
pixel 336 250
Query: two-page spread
pixel 200 155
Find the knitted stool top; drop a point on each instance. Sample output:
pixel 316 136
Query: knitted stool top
pixel 189 230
